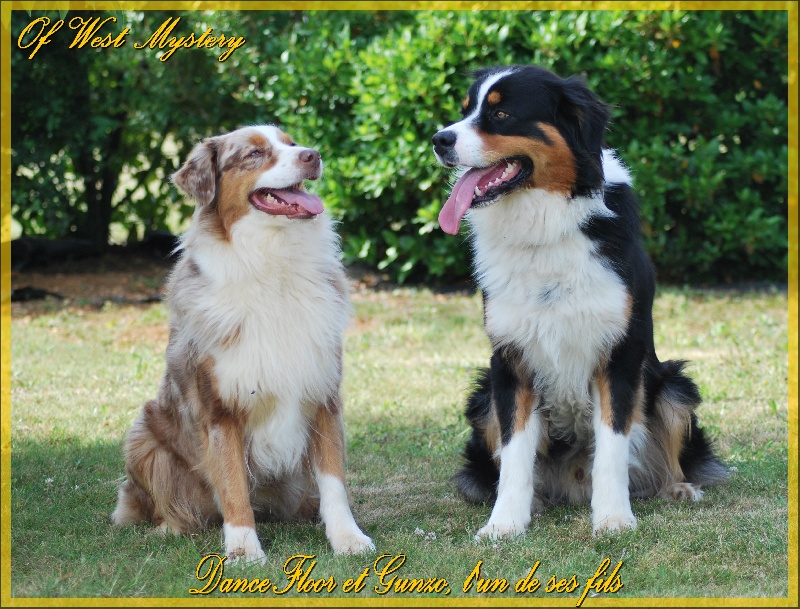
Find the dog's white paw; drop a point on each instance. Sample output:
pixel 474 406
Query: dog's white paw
pixel 243 556
pixel 166 529
pixel 242 545
pixel 613 523
pixel 681 491
pixel 500 530
pixel 351 542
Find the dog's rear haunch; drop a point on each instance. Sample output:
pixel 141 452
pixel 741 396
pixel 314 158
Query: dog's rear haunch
pixel 247 423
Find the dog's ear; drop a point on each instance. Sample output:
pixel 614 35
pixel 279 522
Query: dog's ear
pixel 584 117
pixel 198 175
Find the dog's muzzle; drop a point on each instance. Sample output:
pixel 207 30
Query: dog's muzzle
pixel 444 143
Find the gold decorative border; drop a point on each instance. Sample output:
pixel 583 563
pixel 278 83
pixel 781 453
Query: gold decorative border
pixel 5 292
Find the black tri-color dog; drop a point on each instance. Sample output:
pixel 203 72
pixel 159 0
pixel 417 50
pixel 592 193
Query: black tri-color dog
pixel 575 405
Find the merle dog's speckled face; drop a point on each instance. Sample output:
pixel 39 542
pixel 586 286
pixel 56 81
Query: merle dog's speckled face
pixel 522 127
pixel 258 169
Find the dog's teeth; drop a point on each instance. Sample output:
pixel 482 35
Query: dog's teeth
pixel 478 191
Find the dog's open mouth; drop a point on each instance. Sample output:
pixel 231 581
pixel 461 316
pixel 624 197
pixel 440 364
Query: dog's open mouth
pixel 481 186
pixel 292 202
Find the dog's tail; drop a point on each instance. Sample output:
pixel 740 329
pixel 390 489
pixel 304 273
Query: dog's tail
pixel 477 480
pixel 678 399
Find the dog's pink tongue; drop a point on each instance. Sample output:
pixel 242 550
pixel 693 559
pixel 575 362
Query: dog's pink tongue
pixel 311 203
pixel 460 199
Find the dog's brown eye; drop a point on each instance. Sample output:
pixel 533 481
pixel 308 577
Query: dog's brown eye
pixel 500 114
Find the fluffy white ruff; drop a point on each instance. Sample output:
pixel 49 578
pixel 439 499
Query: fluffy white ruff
pixel 273 286
pixel 278 288
pixel 550 295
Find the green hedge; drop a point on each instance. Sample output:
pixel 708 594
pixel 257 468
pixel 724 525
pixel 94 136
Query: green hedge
pixel 699 114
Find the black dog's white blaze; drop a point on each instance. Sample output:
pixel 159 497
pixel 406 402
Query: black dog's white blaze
pixel 575 406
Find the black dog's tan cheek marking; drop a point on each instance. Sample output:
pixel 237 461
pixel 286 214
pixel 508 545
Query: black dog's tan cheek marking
pixel 465 103
pixel 553 161
pixel 494 98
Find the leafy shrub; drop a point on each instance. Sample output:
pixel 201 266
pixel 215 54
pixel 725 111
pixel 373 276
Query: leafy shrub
pixel 699 114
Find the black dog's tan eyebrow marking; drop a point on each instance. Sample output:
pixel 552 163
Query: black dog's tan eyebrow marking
pixel 494 98
pixel 465 103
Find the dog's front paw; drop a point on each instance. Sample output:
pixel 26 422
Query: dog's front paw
pixel 612 523
pixel 242 545
pixel 499 530
pixel 351 542
pixel 243 556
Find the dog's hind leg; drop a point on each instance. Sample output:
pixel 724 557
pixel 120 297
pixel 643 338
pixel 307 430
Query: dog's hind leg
pixel 477 479
pixel 520 425
pixel 161 487
pixel 327 452
pixel 689 456
pixel 134 500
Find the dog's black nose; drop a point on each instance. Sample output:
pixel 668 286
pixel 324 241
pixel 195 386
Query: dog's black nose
pixel 309 156
pixel 444 140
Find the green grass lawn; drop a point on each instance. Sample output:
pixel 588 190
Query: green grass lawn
pixel 80 377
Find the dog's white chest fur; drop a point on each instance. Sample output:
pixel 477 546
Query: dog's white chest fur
pixel 271 309
pixel 549 294
pixel 286 342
